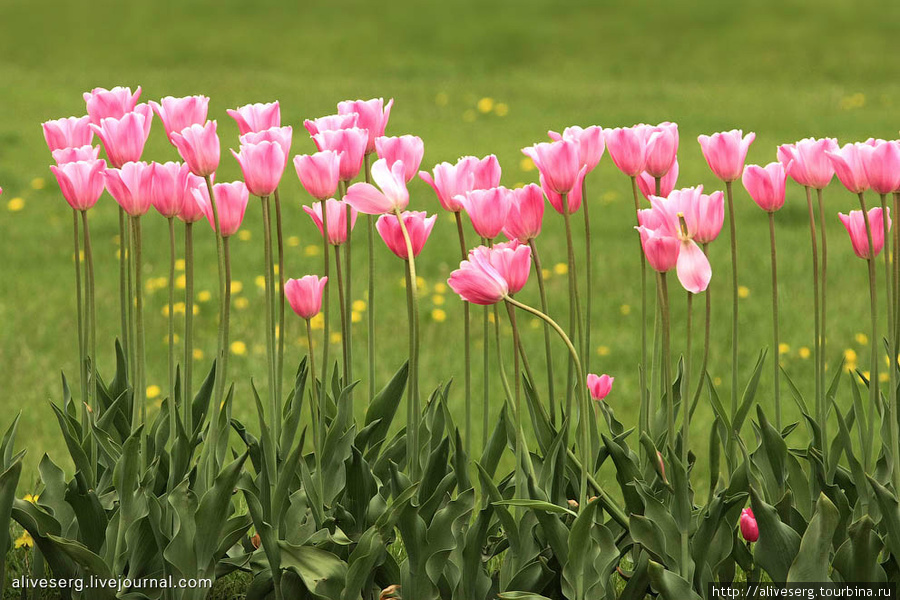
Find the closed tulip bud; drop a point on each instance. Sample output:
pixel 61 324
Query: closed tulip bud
pixel 855 224
pixel 486 171
pixel 627 147
pixel 81 182
pixel 67 155
pixel 319 173
pixel 882 165
pixel 372 116
pixel 71 132
pixel 647 183
pixel 337 219
pixel 407 148
pixel 807 163
pixel 558 163
pixel 662 147
pixel 526 214
pixel 590 143
pixel 330 123
pixel 660 249
pixel 283 136
pixel 262 164
pixel 115 103
pixel 305 295
pixel 476 281
pixel 766 185
pixel 706 219
pixel 191 211
pixel 599 385
pixel 749 528
pixel 450 181
pixel 725 152
pixel 231 203
pixel 418 226
pixel 349 143
pixel 178 113
pixel 124 137
pixel 130 186
pixel 391 196
pixel 573 198
pixel 488 210
pixel 256 117
pixel 168 186
pixel 849 166
pixel 198 146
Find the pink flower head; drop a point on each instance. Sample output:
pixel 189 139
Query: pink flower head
pixel 512 261
pixel 725 152
pixel 256 117
pixel 130 186
pixel 178 113
pixel 476 281
pixel 662 147
pixel 660 248
pixel 526 213
pixel 305 295
pixel 198 146
pixel 418 225
pixel 766 185
pixel 599 385
pixel 283 136
pixel 372 116
pixel 115 103
pixel 81 182
pixel 749 528
pixel 486 171
pixel 882 165
pixel 67 155
pixel 350 143
pixel 450 181
pixel 856 227
pixel 627 147
pixel 392 196
pixel 849 165
pixel 687 216
pixel 191 211
pixel 231 202
pixel 806 161
pixel 330 123
pixel 336 211
pixel 647 183
pixel 558 163
pixel 168 186
pixel 262 164
pixel 487 209
pixel 71 132
pixel 124 137
pixel 589 141
pixel 408 148
pixel 319 173
pixel 573 199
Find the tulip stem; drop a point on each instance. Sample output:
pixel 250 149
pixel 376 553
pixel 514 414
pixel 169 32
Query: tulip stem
pixel 503 378
pixel 413 395
pixel 574 299
pixel 485 412
pixel 219 384
pixel 539 271
pixel 226 325
pixel 347 336
pixel 140 381
pixel 173 430
pixel 820 408
pixel 279 292
pixel 467 333
pixel 892 371
pixel 823 343
pixel 706 328
pixel 734 299
pixel 521 486
pixel 82 363
pixel 896 280
pixel 270 314
pixel 775 345
pixel 686 428
pixel 326 343
pixel 370 315
pixel 315 417
pixel 187 402
pixel 645 401
pixel 873 373
pixel 91 336
pixel 667 375
pixel 125 285
pixel 588 271
pixel 342 303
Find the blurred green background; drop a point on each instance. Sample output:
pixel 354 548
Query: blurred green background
pixel 469 77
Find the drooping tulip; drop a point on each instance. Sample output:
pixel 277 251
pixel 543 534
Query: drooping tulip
pixel 372 116
pixel 70 132
pixel 256 117
pixel 115 103
pixel 662 147
pixel 130 186
pixel 124 137
pixel 526 214
pixel 589 140
pixel 350 143
pixel 66 155
pixel 647 183
pixel 806 161
pixel 599 385
pixel 168 187
pixel 558 163
pixel 262 164
pixel 725 152
pixel 882 165
pixel 198 146
pixel 81 182
pixel 627 147
pixel 749 527
pixel 337 219
pixel 573 198
pixel 418 226
pixel 319 173
pixel 766 185
pixel 487 209
pixel 305 295
pixel 407 148
pixel 849 166
pixel 391 196
pixel 476 281
pixel 178 113
pixel 330 123
pixel 231 203
pixel 283 136
pixel 855 224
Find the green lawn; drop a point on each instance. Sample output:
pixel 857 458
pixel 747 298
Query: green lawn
pixel 783 69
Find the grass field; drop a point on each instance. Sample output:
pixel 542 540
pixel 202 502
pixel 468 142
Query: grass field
pixel 469 78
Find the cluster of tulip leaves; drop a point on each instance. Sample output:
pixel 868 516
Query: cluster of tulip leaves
pixel 340 519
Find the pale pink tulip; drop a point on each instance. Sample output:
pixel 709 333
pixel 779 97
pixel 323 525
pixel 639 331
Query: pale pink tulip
pixel 662 147
pixel 599 385
pixel 487 209
pixel 849 166
pixel 71 132
pixel 372 116
pixel 725 152
pixel 407 148
pixel 558 163
pixel 191 211
pixel 660 248
pixel 231 203
pixel 647 183
pixel 330 123
pixel 450 181
pixel 319 173
pixel 526 214
pixel 806 161
pixel 305 295
pixel 693 268
pixel 283 136
pixel 392 196
pixel 749 527
pixel 573 198
pixel 418 226
pixel 882 165
pixel 66 155
pixel 766 185
pixel 589 141
pixel 627 147
pixel 178 113
pixel 350 143
pixel 130 186
pixel 859 238
pixel 124 138
pixel 262 164
pixel 512 261
pixel 476 281
pixel 256 117
pixel 486 170
pixel 115 103
pixel 168 186
pixel 337 219
pixel 198 146
pixel 81 182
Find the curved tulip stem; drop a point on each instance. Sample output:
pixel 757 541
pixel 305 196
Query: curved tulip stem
pixel 588 272
pixel 667 375
pixel 539 272
pixel 820 404
pixel 734 299
pixel 775 345
pixel 342 303
pixel 173 430
pixel 82 363
pixel 413 395
pixel 823 343
pixel 467 333
pixel 370 314
pixel 270 314
pixel 314 415
pixel 279 293
pixel 187 391
pixel 645 401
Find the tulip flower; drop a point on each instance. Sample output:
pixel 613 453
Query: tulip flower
pixel 191 212
pixel 231 202
pixel 856 228
pixel 330 123
pixel 337 219
pixel 589 141
pixel 124 137
pixel 599 385
pixel 418 224
pixel 319 173
pixel 115 103
pixel 558 163
pixel 486 171
pixel 67 155
pixel 263 165
pixel 512 261
pixel 349 143
pixel 406 148
pixel 130 186
pixel 806 161
pixel 703 214
pixel 168 186
pixel 393 195
pixel 526 214
pixel 725 152
pixel 179 113
pixel 662 147
pixel 256 117
pixel 476 281
pixel 488 210
pixel 660 248
pixel 849 166
pixel 198 146
pixel 372 116
pixel 627 147
pixel 283 136
pixel 882 165
pixel 749 528
pixel 573 198
pixel 450 181
pixel 647 183
pixel 305 295
pixel 71 132
pixel 766 185
pixel 81 182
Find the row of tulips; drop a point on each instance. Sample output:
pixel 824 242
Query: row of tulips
pixel 325 513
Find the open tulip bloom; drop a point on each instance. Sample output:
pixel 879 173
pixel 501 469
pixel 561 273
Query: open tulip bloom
pixel 71 132
pixel 115 103
pixel 256 117
pixel 178 113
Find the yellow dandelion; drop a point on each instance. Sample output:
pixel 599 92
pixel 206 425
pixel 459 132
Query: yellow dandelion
pixel 165 310
pixel 546 273
pixel 717 381
pixel 402 282
pixel 439 315
pixel 804 352
pixel 441 99
pixel 238 348
pixel 440 287
pixel 179 308
pixel 437 299
pixel 609 196
pixel 318 321
pixel 24 540
pixel 175 338
pixel 236 287
pixel 244 235
pixel 526 164
pixel 181 282
pixel 336 337
pixel 421 285
pixel 260 281
pixel 884 377
pixel 359 305
pixel 153 391
pixel 293 241
pixel 535 323
pixel 861 339
pixel 16 204
pixel 312 250
pixel 625 309
pixel 560 268
pixel 241 303
pixel 502 109
pixel 867 375
pixel 485 105
pixel 850 355
pixel 33 498
pixel 743 291
pixel 81 256
pixel 783 348
pixel 37 183
pixel 491 317
pixel 198 354
pixel 204 296
pixel 603 350
pixel 195 309
pixel 469 116
pixel 355 316
pixel 179 264
pixel 277 331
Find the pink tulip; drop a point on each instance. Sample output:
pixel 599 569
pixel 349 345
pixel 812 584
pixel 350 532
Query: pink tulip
pixel 130 186
pixel 418 226
pixel 849 166
pixel 349 143
pixel 81 182
pixel 67 155
pixel 749 528
pixel 337 219
pixel 489 275
pixel 262 165
pixel 330 123
pixel 573 199
pixel 660 249
pixel 305 295
pixel 662 147
pixel 647 183
pixel 766 185
pixel 372 114
pixel 558 163
pixel 283 136
pixel 71 132
pixel 627 147
pixel 231 202
pixel 191 211
pixel 707 217
pixel 806 161
pixel 408 148
pixel 589 141
pixel 392 196
pixel 882 165
pixel 486 170
pixel 526 214
pixel 487 209
pixel 198 146
pixel 256 117
pixel 693 268
pixel 856 227
pixel 450 181
pixel 599 385
pixel 319 173
pixel 726 152
pixel 124 138
pixel 168 186
pixel 512 261
pixel 114 103
pixel 703 214
pixel 178 113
